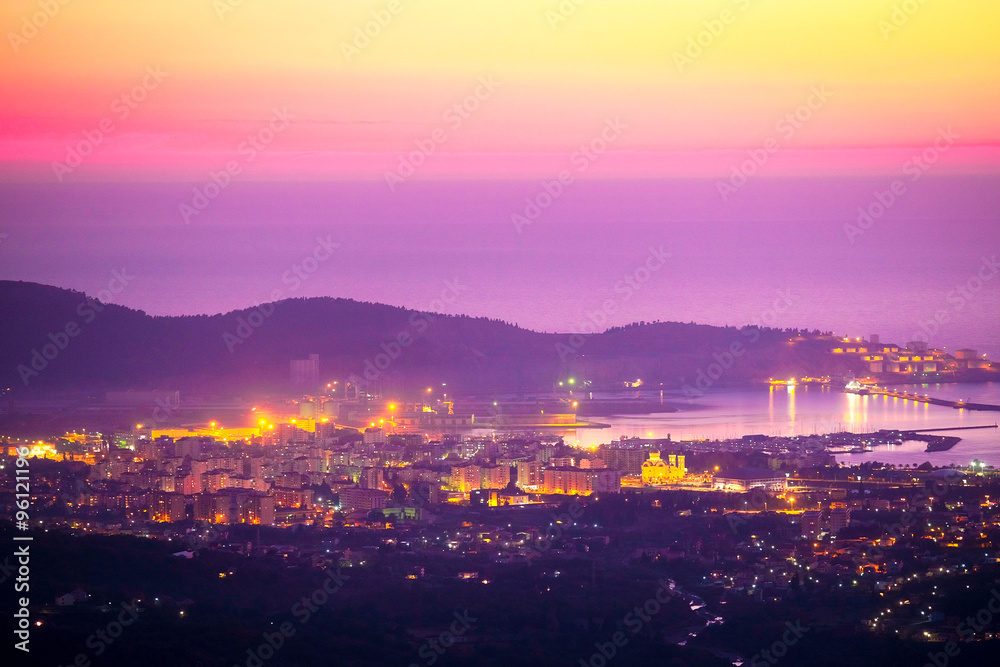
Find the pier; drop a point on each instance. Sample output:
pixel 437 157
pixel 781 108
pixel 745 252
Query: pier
pixel 959 405
pixel 951 428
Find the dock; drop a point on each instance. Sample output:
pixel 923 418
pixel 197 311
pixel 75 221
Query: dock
pixel 958 405
pixel 951 428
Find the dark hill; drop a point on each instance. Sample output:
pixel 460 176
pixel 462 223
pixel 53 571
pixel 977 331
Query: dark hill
pixel 249 350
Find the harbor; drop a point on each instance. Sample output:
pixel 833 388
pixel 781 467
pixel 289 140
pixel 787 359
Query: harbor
pixel 725 413
pixel 856 387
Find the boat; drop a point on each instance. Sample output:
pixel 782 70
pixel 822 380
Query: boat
pixel 855 387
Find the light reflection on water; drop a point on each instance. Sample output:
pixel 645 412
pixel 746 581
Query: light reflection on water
pixel 787 411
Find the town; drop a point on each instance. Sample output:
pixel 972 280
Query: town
pixel 735 524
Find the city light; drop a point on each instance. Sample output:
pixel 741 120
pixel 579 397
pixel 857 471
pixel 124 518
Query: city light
pixel 610 210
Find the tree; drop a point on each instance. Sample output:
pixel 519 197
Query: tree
pixel 398 494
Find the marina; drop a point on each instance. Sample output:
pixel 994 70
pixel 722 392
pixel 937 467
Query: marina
pixel 856 387
pixel 796 411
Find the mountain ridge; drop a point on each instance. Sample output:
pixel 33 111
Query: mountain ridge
pixel 55 338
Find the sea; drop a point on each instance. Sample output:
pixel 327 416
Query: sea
pixel 604 254
pixel 809 409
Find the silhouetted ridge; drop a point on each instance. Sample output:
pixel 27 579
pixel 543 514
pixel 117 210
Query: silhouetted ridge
pixel 250 349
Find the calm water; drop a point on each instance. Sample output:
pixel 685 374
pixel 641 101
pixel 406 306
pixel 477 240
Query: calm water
pixel 805 410
pixel 727 264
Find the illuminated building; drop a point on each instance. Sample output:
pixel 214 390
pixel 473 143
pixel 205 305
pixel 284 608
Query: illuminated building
pixel 168 507
pixel 469 477
pixel 655 470
pixel 432 420
pixel 191 446
pixel 289 480
pixel 370 478
pixel 189 484
pixel 970 359
pixel 466 478
pixel 293 498
pixel 499 497
pixel 494 477
pixel 123 440
pixel 580 481
pixel 529 473
pixel 214 480
pixel 469 448
pixel 627 459
pixel 356 498
pixel 234 506
pixel 166 482
pixel 812 523
pixel 374 436
pixel 840 518
pixel 744 479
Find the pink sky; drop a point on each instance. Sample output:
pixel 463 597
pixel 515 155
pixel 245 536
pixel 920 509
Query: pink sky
pixel 867 99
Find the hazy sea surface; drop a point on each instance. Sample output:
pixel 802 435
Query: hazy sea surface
pixel 728 263
pixel 804 410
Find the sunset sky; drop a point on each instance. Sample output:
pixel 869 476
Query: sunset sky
pixel 357 106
